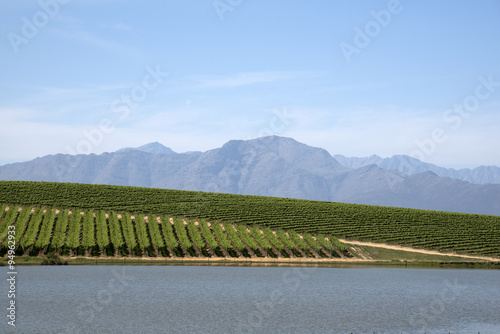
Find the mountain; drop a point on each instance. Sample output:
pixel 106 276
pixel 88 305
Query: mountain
pixel 153 148
pixel 268 166
pixel 412 166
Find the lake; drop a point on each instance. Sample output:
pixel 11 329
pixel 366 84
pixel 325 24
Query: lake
pixel 223 299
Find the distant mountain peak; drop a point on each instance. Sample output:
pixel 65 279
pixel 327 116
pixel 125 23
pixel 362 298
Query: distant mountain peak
pixel 273 139
pixel 153 148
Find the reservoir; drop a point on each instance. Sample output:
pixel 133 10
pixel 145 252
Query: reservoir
pixel 223 299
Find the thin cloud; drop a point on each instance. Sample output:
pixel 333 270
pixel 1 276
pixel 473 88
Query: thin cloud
pixel 74 30
pixel 108 45
pixel 250 78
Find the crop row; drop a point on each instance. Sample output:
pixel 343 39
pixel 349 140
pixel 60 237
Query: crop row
pixel 41 230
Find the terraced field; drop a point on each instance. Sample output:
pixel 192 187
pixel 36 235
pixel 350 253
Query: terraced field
pixel 443 231
pixel 44 230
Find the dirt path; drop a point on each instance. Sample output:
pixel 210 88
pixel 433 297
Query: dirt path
pixel 415 250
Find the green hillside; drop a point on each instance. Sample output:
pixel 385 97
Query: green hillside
pixel 33 231
pixel 463 233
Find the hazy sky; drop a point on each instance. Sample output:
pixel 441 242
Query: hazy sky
pixel 357 78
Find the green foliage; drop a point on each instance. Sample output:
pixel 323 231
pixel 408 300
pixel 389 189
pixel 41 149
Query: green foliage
pixel 128 231
pixel 269 234
pixel 142 233
pixel 32 230
pixel 247 238
pixel 234 238
pixel 21 223
pixel 46 229
pixel 74 229
pixel 259 237
pixel 60 228
pixel 115 231
pixel 221 236
pixel 313 243
pixel 298 241
pixel 180 230
pixel 337 244
pixel 168 234
pixel 207 234
pixel 10 217
pixel 3 206
pixel 194 233
pixel 285 239
pixel 102 236
pixel 154 232
pixel 88 237
pixel 326 243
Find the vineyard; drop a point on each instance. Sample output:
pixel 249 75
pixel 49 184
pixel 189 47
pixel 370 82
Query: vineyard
pixel 444 231
pixel 46 230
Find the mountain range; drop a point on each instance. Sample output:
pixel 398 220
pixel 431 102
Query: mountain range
pixel 268 166
pixel 411 166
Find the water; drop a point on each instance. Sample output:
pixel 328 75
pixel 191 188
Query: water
pixel 197 299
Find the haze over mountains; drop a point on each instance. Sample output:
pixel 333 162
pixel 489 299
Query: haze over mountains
pixel 411 166
pixel 274 166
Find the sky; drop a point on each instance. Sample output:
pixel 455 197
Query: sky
pixel 357 78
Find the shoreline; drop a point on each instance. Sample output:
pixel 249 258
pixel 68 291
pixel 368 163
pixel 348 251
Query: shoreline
pixel 259 262
pixel 366 254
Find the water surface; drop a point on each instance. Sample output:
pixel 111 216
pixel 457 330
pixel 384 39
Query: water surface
pixel 208 299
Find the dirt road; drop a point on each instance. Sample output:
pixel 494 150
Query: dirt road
pixel 415 250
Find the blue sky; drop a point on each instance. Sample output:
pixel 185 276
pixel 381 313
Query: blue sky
pixel 357 78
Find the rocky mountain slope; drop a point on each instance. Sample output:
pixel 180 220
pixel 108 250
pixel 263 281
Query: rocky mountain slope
pixel 268 166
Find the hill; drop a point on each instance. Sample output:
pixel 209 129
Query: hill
pixel 466 233
pixel 268 166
